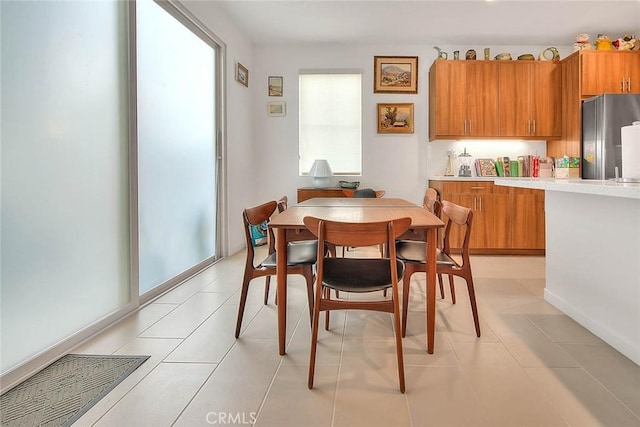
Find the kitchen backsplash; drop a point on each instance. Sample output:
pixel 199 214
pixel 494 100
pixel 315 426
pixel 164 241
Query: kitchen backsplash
pixel 478 149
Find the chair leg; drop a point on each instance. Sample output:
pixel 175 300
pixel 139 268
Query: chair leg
pixel 453 291
pixel 332 250
pixel 398 334
pixel 327 295
pixel 441 286
pixel 474 307
pixel 314 335
pixel 308 275
pixel 406 285
pixel 267 281
pixel 243 301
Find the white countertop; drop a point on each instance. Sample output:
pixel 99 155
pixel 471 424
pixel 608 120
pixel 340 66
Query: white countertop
pixel 462 178
pixel 582 186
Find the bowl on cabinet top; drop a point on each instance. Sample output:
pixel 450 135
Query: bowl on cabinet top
pixel 352 185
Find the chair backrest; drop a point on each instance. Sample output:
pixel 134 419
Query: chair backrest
pixel 357 233
pixel 460 216
pixel 256 216
pixel 283 204
pixel 431 202
pixel 365 193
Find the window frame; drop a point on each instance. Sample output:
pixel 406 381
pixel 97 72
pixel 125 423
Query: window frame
pixel 302 158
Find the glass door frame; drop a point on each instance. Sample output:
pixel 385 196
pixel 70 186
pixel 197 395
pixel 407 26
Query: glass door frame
pixel 182 15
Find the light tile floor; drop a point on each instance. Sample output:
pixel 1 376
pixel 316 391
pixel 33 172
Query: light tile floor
pixel 533 366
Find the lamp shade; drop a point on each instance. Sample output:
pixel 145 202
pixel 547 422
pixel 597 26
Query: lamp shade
pixel 321 171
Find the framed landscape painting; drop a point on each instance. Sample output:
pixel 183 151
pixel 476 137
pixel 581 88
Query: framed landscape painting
pixel 395 74
pixel 275 85
pixel 395 118
pixel 242 74
pixel 277 109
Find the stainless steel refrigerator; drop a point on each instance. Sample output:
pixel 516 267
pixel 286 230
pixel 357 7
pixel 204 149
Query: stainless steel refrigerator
pixel 602 118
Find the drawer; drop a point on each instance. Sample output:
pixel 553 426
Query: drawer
pixel 472 187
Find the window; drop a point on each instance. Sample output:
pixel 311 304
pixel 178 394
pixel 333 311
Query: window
pixel 330 125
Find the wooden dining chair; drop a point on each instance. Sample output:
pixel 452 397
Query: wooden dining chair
pixel 413 254
pixel 365 193
pixel 357 275
pixel 300 258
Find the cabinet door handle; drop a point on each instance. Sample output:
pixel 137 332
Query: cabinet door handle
pixel 465 127
pixel 622 85
pixel 529 127
pixel 477 188
pixel 469 126
pixel 475 204
pixel 534 127
pixel 480 203
pixel 629 84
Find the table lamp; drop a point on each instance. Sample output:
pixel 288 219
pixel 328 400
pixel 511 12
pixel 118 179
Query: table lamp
pixel 320 171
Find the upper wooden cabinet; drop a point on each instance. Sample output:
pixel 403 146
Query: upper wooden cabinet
pixel 588 73
pixel 465 96
pixel 530 99
pixel 609 72
pixel 494 99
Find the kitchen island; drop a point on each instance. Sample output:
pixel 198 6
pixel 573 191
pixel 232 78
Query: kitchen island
pixel 593 255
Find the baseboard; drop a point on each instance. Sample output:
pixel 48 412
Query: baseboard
pixel 620 343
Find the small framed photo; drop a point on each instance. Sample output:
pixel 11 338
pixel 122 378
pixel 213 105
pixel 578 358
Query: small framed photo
pixel 395 74
pixel 275 85
pixel 242 74
pixel 277 109
pixel 395 118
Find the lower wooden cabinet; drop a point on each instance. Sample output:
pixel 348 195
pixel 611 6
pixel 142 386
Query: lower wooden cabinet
pixel 505 219
pixel 528 219
pixel 310 193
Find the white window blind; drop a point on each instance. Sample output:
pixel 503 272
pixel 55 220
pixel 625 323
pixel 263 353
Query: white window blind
pixel 330 122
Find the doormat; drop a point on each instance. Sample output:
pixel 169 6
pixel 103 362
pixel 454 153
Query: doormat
pixel 59 394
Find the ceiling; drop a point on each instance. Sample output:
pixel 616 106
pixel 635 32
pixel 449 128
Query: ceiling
pixel 443 22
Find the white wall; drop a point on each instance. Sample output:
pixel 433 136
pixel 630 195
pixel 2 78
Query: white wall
pixel 592 268
pixel 399 164
pixel 262 151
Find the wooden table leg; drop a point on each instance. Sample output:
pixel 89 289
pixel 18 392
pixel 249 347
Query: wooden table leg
pixel 281 268
pixel 432 237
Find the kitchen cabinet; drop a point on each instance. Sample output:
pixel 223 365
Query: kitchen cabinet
pixel 463 99
pixel 495 99
pixel 527 219
pixel 505 220
pixel 610 72
pixel 530 97
pixel 491 226
pixel 588 73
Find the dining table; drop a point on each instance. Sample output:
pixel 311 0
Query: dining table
pixel 288 226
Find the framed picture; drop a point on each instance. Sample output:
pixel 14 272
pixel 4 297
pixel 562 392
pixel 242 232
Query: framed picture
pixel 395 74
pixel 242 74
pixel 277 109
pixel 395 118
pixel 275 85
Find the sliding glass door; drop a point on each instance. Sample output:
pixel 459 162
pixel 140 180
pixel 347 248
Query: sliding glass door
pixel 177 124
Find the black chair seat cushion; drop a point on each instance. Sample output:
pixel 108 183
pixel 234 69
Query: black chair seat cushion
pixel 414 251
pixel 305 252
pixel 358 275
